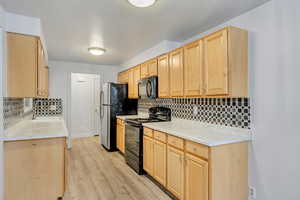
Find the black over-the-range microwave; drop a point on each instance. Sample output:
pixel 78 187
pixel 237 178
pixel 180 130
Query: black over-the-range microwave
pixel 148 88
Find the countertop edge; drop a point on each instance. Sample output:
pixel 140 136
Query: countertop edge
pixel 212 144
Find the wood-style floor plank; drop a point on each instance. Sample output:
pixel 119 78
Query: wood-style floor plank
pixel 95 174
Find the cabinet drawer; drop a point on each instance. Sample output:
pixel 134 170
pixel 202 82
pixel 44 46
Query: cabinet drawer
pixel 175 142
pixel 148 132
pixel 197 149
pixel 160 136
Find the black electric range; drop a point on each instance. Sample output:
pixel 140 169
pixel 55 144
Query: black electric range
pixel 134 136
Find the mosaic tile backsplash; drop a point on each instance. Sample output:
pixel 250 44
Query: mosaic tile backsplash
pixel 13 111
pixel 16 109
pixel 234 112
pixel 47 107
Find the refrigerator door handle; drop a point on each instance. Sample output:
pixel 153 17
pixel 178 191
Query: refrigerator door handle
pixel 101 106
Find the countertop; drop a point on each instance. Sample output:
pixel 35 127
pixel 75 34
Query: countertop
pixel 203 133
pixel 140 115
pixel 40 128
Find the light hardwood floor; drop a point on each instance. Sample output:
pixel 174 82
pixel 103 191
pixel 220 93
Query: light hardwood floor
pixel 95 174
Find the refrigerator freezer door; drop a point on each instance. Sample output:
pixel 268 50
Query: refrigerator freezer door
pixel 105 127
pixel 106 93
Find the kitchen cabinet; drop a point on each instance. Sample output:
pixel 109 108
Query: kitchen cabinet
pixel 176 73
pixel 193 69
pixel 175 172
pixel 144 70
pixel 226 63
pixel 136 79
pixel 148 155
pixel 196 178
pixel 121 135
pixel 123 77
pixel 152 67
pixel 27 74
pixel 195 171
pixel 35 169
pixel 130 83
pixel 160 162
pixel 163 76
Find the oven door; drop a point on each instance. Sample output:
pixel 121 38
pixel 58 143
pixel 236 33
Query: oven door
pixel 133 139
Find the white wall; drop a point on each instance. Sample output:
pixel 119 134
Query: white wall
pixel 60 80
pixel 1 103
pixel 274 65
pixel 161 48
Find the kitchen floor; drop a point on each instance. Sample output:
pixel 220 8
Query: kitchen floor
pixel 95 174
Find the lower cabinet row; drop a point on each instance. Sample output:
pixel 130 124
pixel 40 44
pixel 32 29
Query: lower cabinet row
pixel 192 171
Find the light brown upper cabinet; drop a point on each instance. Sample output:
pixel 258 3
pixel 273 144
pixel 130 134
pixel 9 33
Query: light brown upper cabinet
pixel 134 78
pixel 176 73
pixel 149 68
pixel 123 77
pixel 193 69
pixel 27 75
pixel 163 76
pixel 144 70
pixel 226 63
pixel 152 67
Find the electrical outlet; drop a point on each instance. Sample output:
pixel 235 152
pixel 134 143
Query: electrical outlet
pixel 252 193
pixel 195 110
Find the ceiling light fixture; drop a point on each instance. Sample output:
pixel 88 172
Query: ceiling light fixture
pixel 142 3
pixel 96 51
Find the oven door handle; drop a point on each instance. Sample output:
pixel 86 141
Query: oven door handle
pixel 134 125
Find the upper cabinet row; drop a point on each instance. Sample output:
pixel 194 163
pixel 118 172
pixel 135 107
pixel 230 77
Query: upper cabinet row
pixel 216 65
pixel 27 73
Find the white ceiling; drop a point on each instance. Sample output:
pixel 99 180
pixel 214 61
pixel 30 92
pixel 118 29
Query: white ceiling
pixel 71 26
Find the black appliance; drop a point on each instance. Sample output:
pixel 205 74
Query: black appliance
pixel 134 136
pixel 148 88
pixel 114 101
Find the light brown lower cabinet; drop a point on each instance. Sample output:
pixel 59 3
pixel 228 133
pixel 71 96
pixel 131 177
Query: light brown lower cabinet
pixel 195 171
pixel 148 155
pixel 121 135
pixel 35 169
pixel 160 162
pixel 175 166
pixel 196 178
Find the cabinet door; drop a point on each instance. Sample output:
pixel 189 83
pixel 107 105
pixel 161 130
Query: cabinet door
pixel 144 70
pixel 46 82
pixel 40 69
pixel 119 136
pixel 122 138
pixel 148 155
pixel 160 162
pixel 21 65
pixel 196 178
pixel 137 77
pixel 193 65
pixel 152 67
pixel 176 73
pixel 216 63
pixel 34 169
pixel 175 166
pixel 130 84
pixel 163 76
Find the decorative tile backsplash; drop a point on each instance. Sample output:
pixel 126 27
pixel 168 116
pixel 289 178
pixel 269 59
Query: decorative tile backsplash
pixel 17 109
pixel 47 107
pixel 13 111
pixel 234 112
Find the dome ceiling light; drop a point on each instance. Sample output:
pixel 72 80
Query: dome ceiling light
pixel 96 51
pixel 142 3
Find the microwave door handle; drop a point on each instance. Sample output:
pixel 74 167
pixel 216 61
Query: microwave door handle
pixel 148 87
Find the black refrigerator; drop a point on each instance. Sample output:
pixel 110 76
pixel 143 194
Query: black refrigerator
pixel 114 101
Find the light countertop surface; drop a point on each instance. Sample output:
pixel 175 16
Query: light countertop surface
pixel 40 128
pixel 140 115
pixel 203 133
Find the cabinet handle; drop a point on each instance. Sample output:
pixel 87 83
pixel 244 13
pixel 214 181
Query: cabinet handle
pixel 194 149
pixel 33 144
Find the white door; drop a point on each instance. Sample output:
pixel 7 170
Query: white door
pixel 85 105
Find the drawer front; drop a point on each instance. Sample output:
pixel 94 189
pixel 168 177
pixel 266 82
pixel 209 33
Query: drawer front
pixel 175 142
pixel 197 149
pixel 160 136
pixel 148 132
